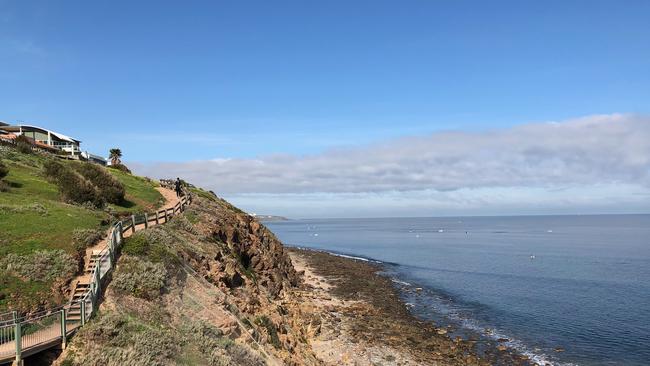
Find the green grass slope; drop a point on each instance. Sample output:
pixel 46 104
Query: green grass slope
pixel 141 194
pixel 33 218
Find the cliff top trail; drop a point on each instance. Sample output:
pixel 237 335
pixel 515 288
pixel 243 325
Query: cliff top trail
pixel 171 199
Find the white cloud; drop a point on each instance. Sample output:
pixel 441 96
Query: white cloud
pixel 616 198
pixel 602 149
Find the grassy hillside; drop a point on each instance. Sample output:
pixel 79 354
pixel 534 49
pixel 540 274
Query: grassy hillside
pixel 36 225
pixel 141 194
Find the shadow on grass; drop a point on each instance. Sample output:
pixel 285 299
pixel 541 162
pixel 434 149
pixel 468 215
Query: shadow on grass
pixel 128 204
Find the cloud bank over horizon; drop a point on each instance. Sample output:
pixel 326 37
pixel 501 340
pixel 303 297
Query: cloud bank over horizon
pixel 607 156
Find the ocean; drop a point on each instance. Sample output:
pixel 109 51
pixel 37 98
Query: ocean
pixel 564 290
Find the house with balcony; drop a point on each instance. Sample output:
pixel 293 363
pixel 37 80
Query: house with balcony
pixel 50 140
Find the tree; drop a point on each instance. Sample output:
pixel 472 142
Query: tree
pixel 115 155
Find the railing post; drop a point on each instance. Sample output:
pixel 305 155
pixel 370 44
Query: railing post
pixel 157 217
pixel 83 311
pixel 111 255
pixel 133 223
pixel 64 330
pixel 146 221
pixel 166 217
pixel 98 275
pixel 18 337
pixel 119 233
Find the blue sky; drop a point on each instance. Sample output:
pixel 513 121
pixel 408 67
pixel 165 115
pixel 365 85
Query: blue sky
pixel 172 82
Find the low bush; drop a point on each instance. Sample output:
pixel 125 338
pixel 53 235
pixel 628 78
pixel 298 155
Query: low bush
pixel 120 339
pixel 72 185
pixel 140 278
pixel 271 330
pixel 3 173
pixel 219 349
pixel 16 209
pixel 3 170
pixel 121 167
pixel 42 265
pixel 24 144
pixel 153 244
pixel 110 189
pixel 83 238
pixel 180 222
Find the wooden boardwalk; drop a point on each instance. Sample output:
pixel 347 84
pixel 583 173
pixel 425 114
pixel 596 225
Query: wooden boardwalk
pixel 45 331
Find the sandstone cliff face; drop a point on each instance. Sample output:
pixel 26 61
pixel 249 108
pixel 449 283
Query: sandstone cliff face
pixel 258 252
pixel 213 287
pixel 246 261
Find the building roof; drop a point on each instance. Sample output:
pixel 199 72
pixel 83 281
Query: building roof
pixel 60 136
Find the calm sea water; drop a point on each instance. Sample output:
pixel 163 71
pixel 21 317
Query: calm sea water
pixel 581 283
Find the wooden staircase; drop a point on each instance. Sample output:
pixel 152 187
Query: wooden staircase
pixel 73 312
pixel 93 261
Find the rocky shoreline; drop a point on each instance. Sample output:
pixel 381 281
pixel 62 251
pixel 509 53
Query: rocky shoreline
pixel 366 322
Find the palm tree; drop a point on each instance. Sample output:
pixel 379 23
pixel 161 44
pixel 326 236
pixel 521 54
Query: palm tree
pixel 115 155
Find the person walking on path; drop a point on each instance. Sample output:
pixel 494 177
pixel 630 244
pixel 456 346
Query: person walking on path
pixel 177 187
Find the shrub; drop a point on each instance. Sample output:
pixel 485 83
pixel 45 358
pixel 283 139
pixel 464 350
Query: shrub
pixel 153 245
pixel 219 349
pixel 3 173
pixel 271 329
pixel 120 339
pixel 16 209
pixel 3 170
pixel 180 222
pixel 24 144
pixel 42 265
pixel 72 185
pixel 110 189
pixel 121 167
pixel 79 190
pixel 140 278
pixel 83 238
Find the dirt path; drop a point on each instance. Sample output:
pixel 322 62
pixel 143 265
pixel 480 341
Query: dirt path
pixel 170 201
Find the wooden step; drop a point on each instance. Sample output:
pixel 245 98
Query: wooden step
pixel 80 290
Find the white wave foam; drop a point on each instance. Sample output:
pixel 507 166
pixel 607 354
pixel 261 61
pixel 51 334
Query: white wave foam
pixel 400 282
pixel 352 257
pixel 443 307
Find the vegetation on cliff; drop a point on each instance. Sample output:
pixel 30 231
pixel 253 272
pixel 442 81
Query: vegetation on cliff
pixel 153 296
pixel 207 288
pixel 37 217
pixel 3 173
pixel 208 285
